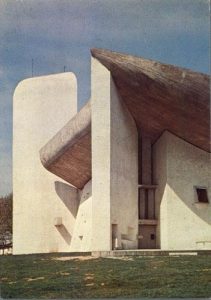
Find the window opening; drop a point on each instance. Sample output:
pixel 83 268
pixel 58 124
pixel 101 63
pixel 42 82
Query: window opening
pixel 146 213
pixel 152 236
pixel 202 195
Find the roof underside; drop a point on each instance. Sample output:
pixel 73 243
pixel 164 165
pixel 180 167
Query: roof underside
pixel 159 97
pixel 68 153
pixel 162 97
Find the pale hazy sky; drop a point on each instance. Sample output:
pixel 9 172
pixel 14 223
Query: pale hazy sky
pixel 58 33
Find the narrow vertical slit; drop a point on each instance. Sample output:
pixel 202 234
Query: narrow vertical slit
pixel 139 205
pixel 146 204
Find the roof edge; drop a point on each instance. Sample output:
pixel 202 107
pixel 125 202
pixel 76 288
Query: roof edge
pixel 64 139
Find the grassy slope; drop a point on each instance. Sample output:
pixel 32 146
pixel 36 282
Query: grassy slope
pixel 187 276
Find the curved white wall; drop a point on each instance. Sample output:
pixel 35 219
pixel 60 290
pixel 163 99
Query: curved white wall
pixel 41 106
pixel 179 166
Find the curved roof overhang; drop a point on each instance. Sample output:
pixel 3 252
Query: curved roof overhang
pixel 159 97
pixel 68 153
pixel 162 97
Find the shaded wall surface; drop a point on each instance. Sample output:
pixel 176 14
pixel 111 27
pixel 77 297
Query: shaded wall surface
pixel 179 167
pixel 124 173
pixel 82 231
pixel 114 165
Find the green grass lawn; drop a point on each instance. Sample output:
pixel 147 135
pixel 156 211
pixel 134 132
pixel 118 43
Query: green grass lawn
pixel 43 276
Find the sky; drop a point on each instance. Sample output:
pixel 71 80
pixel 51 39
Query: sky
pixel 58 33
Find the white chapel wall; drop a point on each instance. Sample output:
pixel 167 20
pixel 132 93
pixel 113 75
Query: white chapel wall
pixel 42 105
pixel 114 165
pixel 124 173
pixel 184 222
pixel 159 151
pixel 82 231
pixel 101 153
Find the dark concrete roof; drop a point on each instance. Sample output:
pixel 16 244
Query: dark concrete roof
pixel 68 153
pixel 160 97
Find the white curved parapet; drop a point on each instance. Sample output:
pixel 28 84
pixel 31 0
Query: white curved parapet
pixel 42 105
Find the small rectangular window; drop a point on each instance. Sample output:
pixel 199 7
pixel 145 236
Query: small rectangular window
pixel 152 236
pixel 202 194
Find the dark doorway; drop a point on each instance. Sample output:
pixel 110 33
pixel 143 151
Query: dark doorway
pixel 147 236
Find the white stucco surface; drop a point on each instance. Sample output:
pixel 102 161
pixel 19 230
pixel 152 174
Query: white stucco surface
pixel 41 107
pixel 101 153
pixel 124 173
pixel 179 167
pixel 82 233
pixel 114 165
pixel 160 178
